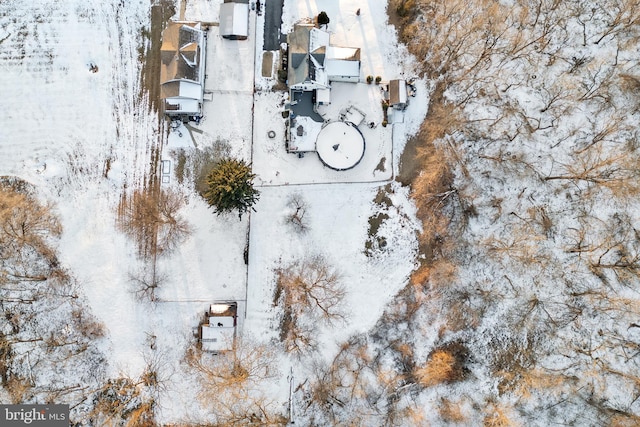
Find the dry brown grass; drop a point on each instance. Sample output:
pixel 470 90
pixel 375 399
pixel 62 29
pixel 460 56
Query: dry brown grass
pixel 432 187
pixel 630 83
pixel 87 324
pixel 537 379
pixel 142 416
pixel 429 191
pixel 120 402
pixel 440 368
pixel 19 389
pixel 452 412
pixel 624 420
pixel 498 416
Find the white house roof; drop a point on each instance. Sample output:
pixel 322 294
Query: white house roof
pixel 340 145
pixel 302 131
pixel 318 39
pixel 323 96
pixel 181 105
pixel 234 19
pixel 181 89
pixel 219 332
pixel 342 67
pixel 221 321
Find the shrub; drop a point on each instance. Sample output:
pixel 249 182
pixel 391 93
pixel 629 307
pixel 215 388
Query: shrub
pixel 205 159
pixel 323 18
pixel 406 8
pixel 437 370
pixel 451 411
pixel 445 365
pixel 369 79
pixel 378 80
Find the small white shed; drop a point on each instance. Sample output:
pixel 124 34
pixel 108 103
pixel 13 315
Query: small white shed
pixel 219 332
pixel 234 21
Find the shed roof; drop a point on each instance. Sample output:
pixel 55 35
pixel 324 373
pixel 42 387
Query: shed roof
pixel 397 92
pixel 234 19
pixel 217 338
pixel 342 67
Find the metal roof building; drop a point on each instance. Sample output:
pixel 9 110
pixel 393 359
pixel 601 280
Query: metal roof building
pixel 234 20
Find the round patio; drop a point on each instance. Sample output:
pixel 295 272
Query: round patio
pixel 340 145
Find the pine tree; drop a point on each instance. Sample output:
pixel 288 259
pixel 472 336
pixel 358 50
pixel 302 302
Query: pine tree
pixel 230 187
pixel 323 18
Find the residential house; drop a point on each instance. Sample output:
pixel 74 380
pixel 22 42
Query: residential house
pixel 182 68
pixel 307 51
pixel 313 64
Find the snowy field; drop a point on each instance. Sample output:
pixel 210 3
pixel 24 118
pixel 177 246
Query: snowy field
pixel 83 138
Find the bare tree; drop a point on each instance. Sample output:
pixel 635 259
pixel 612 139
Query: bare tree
pixel 230 384
pixel 309 290
pixel 601 166
pixel 297 215
pixel 25 225
pixel 355 385
pixel 153 219
pixel 122 401
pixel 146 283
pixel 619 16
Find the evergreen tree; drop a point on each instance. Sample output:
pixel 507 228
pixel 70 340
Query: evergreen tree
pixel 323 18
pixel 230 187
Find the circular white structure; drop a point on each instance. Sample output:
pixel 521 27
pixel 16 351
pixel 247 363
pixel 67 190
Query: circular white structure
pixel 340 145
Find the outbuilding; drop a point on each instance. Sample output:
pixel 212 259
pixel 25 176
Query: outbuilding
pixel 218 332
pixel 234 20
pixel 398 94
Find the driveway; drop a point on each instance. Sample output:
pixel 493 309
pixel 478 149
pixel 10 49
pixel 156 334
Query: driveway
pixel 272 23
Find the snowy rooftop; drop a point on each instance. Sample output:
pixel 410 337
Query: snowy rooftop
pixel 340 145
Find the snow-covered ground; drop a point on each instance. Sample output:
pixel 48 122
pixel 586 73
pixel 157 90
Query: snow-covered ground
pixel 83 138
